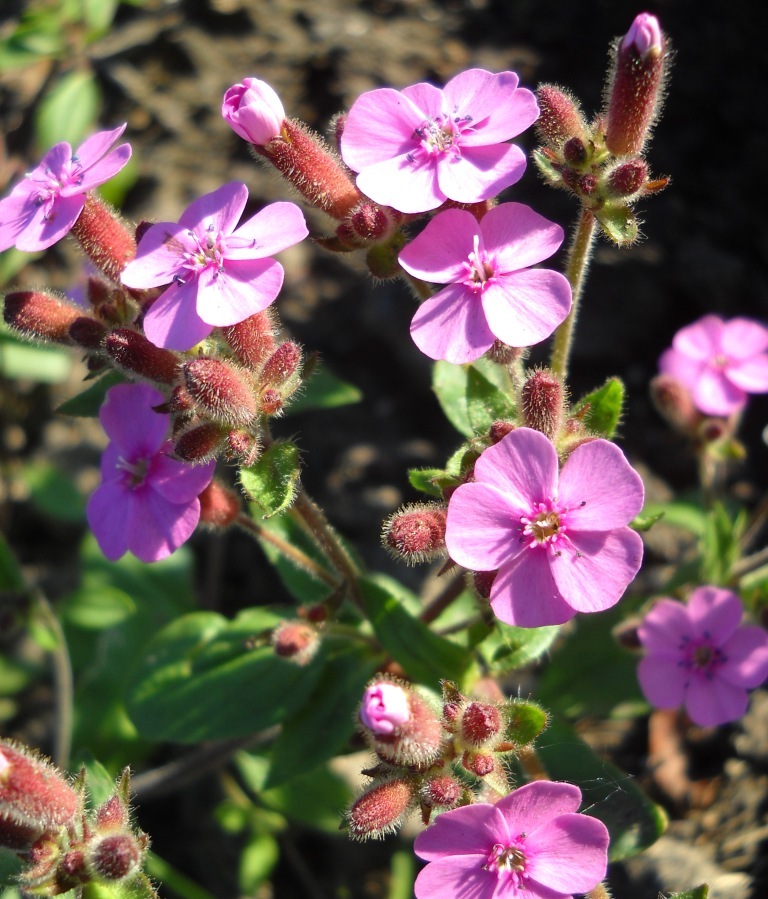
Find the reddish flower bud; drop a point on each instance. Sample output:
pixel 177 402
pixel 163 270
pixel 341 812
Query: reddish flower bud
pixel 541 403
pixel 636 86
pixel 380 809
pixel 441 792
pixel 416 533
pixel 132 352
pixel 417 741
pixel 499 430
pixel 219 506
pixel 295 640
pixel 253 110
pixel 575 151
pixel 481 764
pixel 40 315
pixel 371 222
pixel 587 184
pixel 307 162
pixel 71 871
pixel 220 391
pixel 103 235
pixel 270 401
pixel 502 354
pixel 111 815
pixel 628 178
pixel 481 723
pixel 244 446
pixel 35 799
pixel 385 707
pixel 252 340
pixel 674 402
pixel 483 581
pixel 281 365
pixel 200 442
pixel 561 118
pixel 87 333
pixel 116 856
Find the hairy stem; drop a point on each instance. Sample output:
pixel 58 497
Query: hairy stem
pixel 451 591
pixel 62 682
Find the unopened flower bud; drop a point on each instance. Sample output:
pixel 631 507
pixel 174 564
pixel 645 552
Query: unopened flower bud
pixel 481 764
pixel 587 184
pixel 481 723
pixel 219 506
pixel 417 741
pixel 561 118
pixel 441 792
pixel 40 315
pixel 542 403
pixel 385 707
pixel 371 222
pixel 34 798
pixel 674 402
pixel 244 446
pixel 499 430
pixel 200 442
pixel 416 533
pixel 270 401
pixel 628 178
pixel 252 340
pixel 503 354
pixel 104 236
pixel 575 151
pixel 380 809
pixel 253 110
pixel 297 641
pixel 281 365
pixel 116 856
pixel 636 86
pixel 111 815
pixel 132 352
pixel 220 391
pixel 87 332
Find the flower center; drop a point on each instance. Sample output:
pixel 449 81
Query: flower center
pixel 51 185
pixel 135 472
pixel 720 362
pixel 508 863
pixel 702 656
pixel 480 268
pixel 544 526
pixel 439 136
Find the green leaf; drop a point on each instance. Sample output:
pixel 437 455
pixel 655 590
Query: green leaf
pixel 701 892
pixel 604 407
pixel 402 873
pixel 98 14
pixel 633 821
pixel 203 679
pixel 47 364
pixel 424 655
pixel 324 391
pixel 257 860
pixel 11 578
pixel 68 112
pixel 272 481
pixel 426 480
pixel 326 720
pixel 88 403
pixel 524 721
pixel 486 403
pixel 508 648
pixel 463 389
pixel 619 224
pixel 53 492
pixel 720 543
pixel 687 516
pixel 12 261
pixel 98 609
pixel 173 879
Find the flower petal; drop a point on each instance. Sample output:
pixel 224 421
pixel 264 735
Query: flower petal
pixel 441 252
pixel 469 830
pixel 525 307
pixel 713 701
pixel 499 109
pixel 715 394
pixel 108 512
pixel 569 854
pixel 378 127
pixel 714 612
pixel 95 146
pixel 221 208
pixel 177 481
pixel 524 593
pixel 130 422
pixel 102 170
pixel 523 466
pixel 744 338
pixel 407 185
pixel 662 680
pixel 451 325
pixel 750 374
pixel 172 321
pixel 536 804
pixel 480 532
pixel 747 658
pixel 458 877
pixel 665 628
pixel 702 339
pixel 244 288
pixel 517 236
pixel 157 528
pixel 276 227
pixel 41 232
pixel 480 173
pixel 159 257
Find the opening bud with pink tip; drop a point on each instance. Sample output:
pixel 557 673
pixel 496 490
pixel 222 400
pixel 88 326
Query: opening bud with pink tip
pixel 253 110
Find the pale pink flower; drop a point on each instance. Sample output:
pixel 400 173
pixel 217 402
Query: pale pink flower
pixel 532 844
pixel 644 34
pixel 147 502
pixel 719 362
pixel 43 207
pixel 253 110
pixel 417 147
pixel 219 274
pixel 698 655
pixel 493 293
pixel 385 707
pixel 559 539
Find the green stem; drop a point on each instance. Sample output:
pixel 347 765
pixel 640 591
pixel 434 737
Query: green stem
pixel 62 681
pixel 579 256
pixel 451 591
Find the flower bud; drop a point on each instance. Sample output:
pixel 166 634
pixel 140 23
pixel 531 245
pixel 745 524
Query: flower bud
pixel 441 792
pixel 103 235
pixel 111 815
pixel 219 506
pixel 575 151
pixel 499 430
pixel 35 799
pixel 417 741
pixel 483 581
pixel 385 707
pixel 370 222
pixel 416 533
pixel 220 391
pixel 87 333
pixel 252 340
pixel 674 402
pixel 40 315
pixel 380 809
pixel 541 403
pixel 481 723
pixel 244 446
pixel 253 110
pixel 481 764
pixel 132 352
pixel 116 856
pixel 561 118
pixel 628 178
pixel 281 365
pixel 636 86
pixel 270 401
pixel 297 641
pixel 200 442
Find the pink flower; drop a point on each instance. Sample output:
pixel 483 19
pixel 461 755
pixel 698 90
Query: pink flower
pixel 417 147
pixel 720 362
pixel 147 502
pixel 560 541
pixel 492 292
pixel 253 110
pixel 698 656
pixel 532 844
pixel 40 210
pixel 644 34
pixel 219 276
pixel 385 707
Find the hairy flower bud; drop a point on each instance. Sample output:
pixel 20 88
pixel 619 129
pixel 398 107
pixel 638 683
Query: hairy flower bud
pixel 385 707
pixel 281 365
pixel 200 442
pixel 627 179
pixel 252 340
pixel 674 402
pixel 441 792
pixel 481 764
pixel 561 118
pixel 297 641
pixel 104 236
pixel 220 391
pixel 132 352
pixel 481 724
pixel 542 403
pixel 87 332
pixel 636 86
pixel 253 110
pixel 219 506
pixel 244 446
pixel 270 401
pixel 116 856
pixel 40 315
pixel 416 741
pixel 370 222
pixel 111 815
pixel 416 533
pixel 380 809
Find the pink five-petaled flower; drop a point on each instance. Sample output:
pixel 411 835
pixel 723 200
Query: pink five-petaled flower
pixel 532 844
pixel 43 207
pixel 698 656
pixel 559 540
pixel 219 274
pixel 492 293
pixel 719 362
pixel 385 707
pixel 147 502
pixel 418 147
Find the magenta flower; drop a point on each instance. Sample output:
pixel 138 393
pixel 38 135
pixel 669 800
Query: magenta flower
pixel 492 292
pixel 385 707
pixel 559 540
pixel 418 147
pixel 644 34
pixel 219 275
pixel 40 210
pixel 719 362
pixel 253 111
pixel 532 844
pixel 147 502
pixel 697 655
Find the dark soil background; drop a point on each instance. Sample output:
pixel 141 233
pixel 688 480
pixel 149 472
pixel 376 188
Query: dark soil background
pixel 164 69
